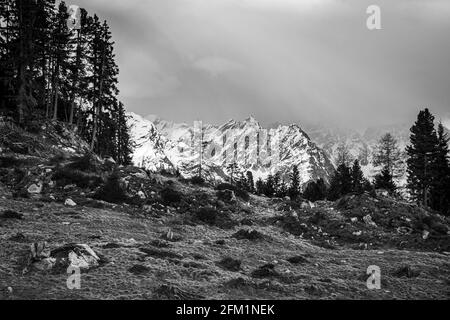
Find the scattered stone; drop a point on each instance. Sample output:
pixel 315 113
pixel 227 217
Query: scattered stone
pixel 230 264
pixel 138 269
pixel 10 214
pixel 141 195
pixel 306 205
pixel 368 220
pixel 404 230
pixel 354 219
pixel 76 255
pixel 357 233
pixel 35 188
pixel 70 203
pixel 425 234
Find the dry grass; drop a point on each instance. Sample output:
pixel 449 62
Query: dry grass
pixel 189 268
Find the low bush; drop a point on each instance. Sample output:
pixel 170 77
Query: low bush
pixel 239 192
pixel 9 162
pixel 197 180
pixel 212 217
pixel 65 176
pixel 86 163
pixel 230 264
pixel 170 196
pixel 113 190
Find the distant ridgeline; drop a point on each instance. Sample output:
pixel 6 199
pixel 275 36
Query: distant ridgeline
pixel 285 158
pixel 53 67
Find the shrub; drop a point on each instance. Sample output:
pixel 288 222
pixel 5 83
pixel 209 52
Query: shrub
pixel 239 192
pixel 9 162
pixel 113 191
pixel 207 215
pixel 65 176
pixel 197 180
pixel 86 163
pixel 170 196
pixel 248 234
pixel 230 264
pixel 57 159
pixel 211 216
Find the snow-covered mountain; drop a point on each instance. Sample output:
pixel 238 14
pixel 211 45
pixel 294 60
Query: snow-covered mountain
pixel 163 144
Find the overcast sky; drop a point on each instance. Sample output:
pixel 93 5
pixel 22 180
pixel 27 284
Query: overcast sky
pixel 281 60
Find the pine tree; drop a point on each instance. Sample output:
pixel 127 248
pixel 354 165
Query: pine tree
pixel 440 190
pixel 388 155
pixel 259 186
pixel 384 180
pixel 421 157
pixel 232 170
pixel 357 178
pixel 294 187
pixel 341 183
pixel 363 156
pixel 315 190
pixel 276 183
pixel 269 189
pixel 282 190
pixel 343 155
pixel 47 70
pixel 250 182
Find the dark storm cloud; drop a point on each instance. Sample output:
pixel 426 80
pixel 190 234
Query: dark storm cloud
pixel 281 60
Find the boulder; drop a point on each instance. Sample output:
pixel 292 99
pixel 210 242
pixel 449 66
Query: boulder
pixel 368 220
pixel 141 195
pixel 76 255
pixel 70 203
pixel 35 188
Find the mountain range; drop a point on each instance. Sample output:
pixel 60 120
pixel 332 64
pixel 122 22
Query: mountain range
pixel 239 146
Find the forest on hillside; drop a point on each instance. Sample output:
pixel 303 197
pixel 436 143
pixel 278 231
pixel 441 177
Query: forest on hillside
pixel 58 64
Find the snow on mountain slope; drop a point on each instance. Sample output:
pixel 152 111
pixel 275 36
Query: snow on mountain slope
pixel 164 144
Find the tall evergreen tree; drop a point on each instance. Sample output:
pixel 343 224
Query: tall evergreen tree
pixel 269 189
pixel 47 70
pixel 388 155
pixel 315 190
pixel 384 180
pixel 343 155
pixel 440 189
pixel 421 157
pixel 250 182
pixel 357 178
pixel 341 183
pixel 259 186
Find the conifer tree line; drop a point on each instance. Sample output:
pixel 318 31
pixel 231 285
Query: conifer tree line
pixel 428 171
pixel 49 72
